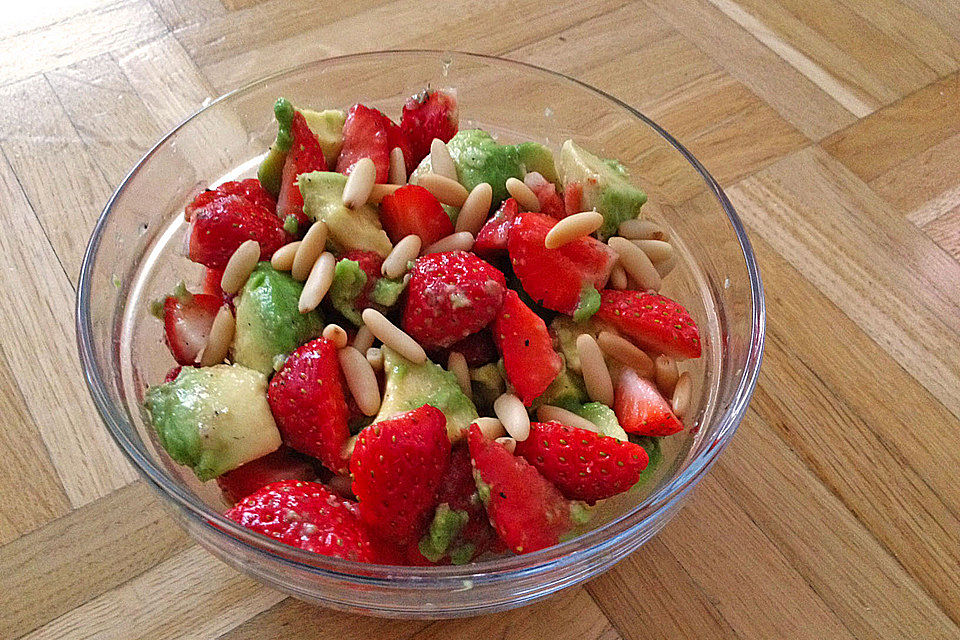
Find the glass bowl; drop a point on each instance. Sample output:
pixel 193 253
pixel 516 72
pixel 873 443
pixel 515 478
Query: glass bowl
pixel 135 256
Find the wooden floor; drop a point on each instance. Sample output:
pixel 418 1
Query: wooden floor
pixel 834 125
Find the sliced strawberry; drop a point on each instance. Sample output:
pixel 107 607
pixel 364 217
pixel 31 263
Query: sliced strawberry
pixel 655 322
pixel 429 115
pixel 220 226
pixel 249 189
pixel 396 138
pixel 370 264
pixel 397 465
pixel 558 279
pixel 641 409
pixel 307 400
pixel 173 373
pixel 551 204
pixel 582 464
pixel 305 155
pixel 187 318
pixel 365 135
pixel 412 210
pixel 211 283
pixel 573 198
pixel 528 356
pixel 527 511
pixel 282 464
pixel 491 240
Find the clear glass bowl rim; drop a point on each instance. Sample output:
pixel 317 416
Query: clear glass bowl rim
pixel 607 537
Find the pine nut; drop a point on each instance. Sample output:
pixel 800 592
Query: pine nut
pixel 220 338
pixel 618 277
pixel 475 209
pixel 573 227
pixel 596 376
pixel 549 413
pixel 656 250
pixel 508 443
pixel 318 282
pixel 682 394
pixel 375 358
pixel 310 249
pixel 241 264
pixel 462 241
pixel 348 447
pixel 457 365
pixel 523 194
pixel 626 353
pixel 363 340
pixel 491 428
pixel 441 162
pixel 666 374
pixel 361 380
pixel 402 253
pixel 449 192
pixel 391 335
pixel 664 268
pixel 381 191
pixel 359 183
pixel 513 415
pixel 641 230
pixel 636 263
pixel 398 167
pixel 282 259
pixel 335 334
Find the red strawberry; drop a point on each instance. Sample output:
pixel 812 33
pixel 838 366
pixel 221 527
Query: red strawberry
pixel 307 401
pixel 451 295
pixel 211 283
pixel 641 409
pixel 582 464
pixel 219 227
pixel 305 155
pixel 556 278
pixel 414 210
pixel 397 465
pixel 187 319
pixel 370 264
pixel 429 115
pixel 527 511
pixel 492 238
pixel 282 464
pixel 528 356
pixel 477 348
pixel 306 515
pixel 365 135
pixel 573 198
pixel 397 138
pixel 655 322
pixel 250 189
pixel 551 204
pixel 459 490
pixel 173 373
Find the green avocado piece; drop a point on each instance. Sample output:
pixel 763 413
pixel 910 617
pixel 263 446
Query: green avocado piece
pixel 567 391
pixel 588 304
pixel 270 172
pixel 327 125
pixel 386 291
pixel 410 386
pixel 565 331
pixel 348 228
pixel 536 157
pixel 488 384
pixel 213 419
pixel 606 186
pixel 446 525
pixel 479 158
pixel 651 445
pixel 604 417
pixel 268 320
pixel 348 282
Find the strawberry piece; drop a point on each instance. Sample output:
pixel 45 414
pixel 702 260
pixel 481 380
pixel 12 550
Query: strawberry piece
pixel 365 135
pixel 397 138
pixel 582 464
pixel 428 115
pixel 556 278
pixel 655 322
pixel 307 400
pixel 305 155
pixel 527 511
pixel 397 465
pixel 187 319
pixel 370 264
pixel 306 515
pixel 491 240
pixel 528 356
pixel 211 283
pixel 282 464
pixel 249 189
pixel 459 490
pixel 451 295
pixel 477 348
pixel 220 226
pixel 641 409
pixel 412 210
pixel 573 198
pixel 551 204
pixel 173 373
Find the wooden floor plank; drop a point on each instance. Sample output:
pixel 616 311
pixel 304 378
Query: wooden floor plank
pixel 945 231
pixel 924 186
pixel 946 14
pixel 20 17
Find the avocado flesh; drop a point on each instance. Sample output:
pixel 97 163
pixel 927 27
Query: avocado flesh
pixel 327 125
pixel 348 282
pixel 487 384
pixel 348 229
pixel 269 322
pixel 566 330
pixel 410 386
pixel 479 158
pixel 536 157
pixel 606 187
pixel 213 419
pixel 604 417
pixel 567 391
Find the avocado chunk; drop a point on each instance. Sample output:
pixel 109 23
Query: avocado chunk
pixel 327 125
pixel 567 391
pixel 348 282
pixel 604 417
pixel 410 386
pixel 487 384
pixel 606 186
pixel 565 331
pixel 268 320
pixel 651 445
pixel 479 158
pixel 348 228
pixel 536 157
pixel 213 419
pixel 446 525
pixel 386 291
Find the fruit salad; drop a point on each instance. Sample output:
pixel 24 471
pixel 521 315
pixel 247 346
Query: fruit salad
pixel 417 344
